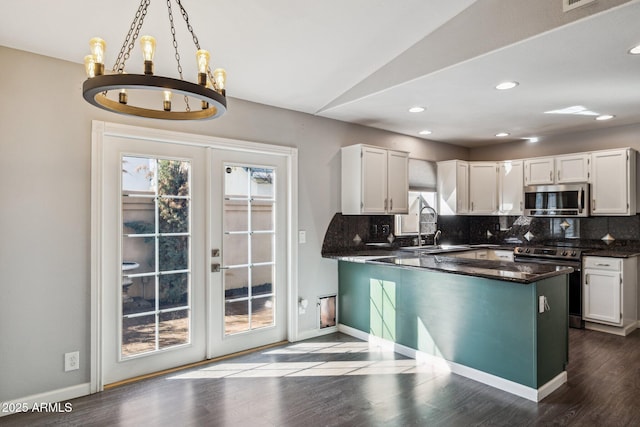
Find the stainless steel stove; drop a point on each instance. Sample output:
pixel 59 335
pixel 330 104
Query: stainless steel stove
pixel 566 256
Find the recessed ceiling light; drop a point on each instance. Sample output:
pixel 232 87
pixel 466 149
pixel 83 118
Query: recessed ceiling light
pixel 605 117
pixel 507 85
pixel 533 139
pixel 635 50
pixel 416 109
pixel 578 110
pixel 424 132
pixel 502 134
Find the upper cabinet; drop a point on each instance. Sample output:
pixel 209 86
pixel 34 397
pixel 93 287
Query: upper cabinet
pixel 483 188
pixel 453 187
pixel 510 183
pixel 374 181
pixel 567 169
pixel 613 183
pixel 539 171
pixel 572 168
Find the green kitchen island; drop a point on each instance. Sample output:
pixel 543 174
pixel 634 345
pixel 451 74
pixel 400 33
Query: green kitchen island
pixel 489 328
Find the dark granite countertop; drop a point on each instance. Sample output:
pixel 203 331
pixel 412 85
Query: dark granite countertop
pixel 613 253
pixel 520 272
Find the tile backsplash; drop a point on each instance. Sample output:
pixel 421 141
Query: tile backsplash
pixel 355 232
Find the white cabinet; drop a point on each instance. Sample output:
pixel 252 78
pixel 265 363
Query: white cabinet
pixel 539 171
pixel 609 292
pixel 613 182
pixel 374 181
pixel 572 168
pixel 567 169
pixel 483 188
pixel 510 187
pixel 453 187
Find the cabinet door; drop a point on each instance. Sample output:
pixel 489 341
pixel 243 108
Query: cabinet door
pixel 610 183
pixel 511 183
pixel 453 194
pixel 601 296
pixel 374 180
pixel 572 168
pixel 538 171
pixel 483 187
pixel 398 182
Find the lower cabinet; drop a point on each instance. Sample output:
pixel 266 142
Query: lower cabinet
pixel 609 292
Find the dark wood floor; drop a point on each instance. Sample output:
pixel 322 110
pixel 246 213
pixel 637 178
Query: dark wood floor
pixel 603 390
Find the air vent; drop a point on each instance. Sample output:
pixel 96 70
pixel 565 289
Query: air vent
pixel 568 5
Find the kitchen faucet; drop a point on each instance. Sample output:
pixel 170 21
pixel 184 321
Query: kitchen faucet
pixel 424 205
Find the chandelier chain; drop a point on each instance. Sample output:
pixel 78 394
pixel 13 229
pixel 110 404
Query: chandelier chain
pixel 175 47
pixel 129 42
pixel 185 16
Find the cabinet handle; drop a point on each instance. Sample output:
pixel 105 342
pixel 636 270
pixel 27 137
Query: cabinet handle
pixel 391 204
pixel 593 208
pixel 520 204
pixel 385 204
pixel 586 280
pixel 558 175
pixel 550 175
pixel 471 206
pixel 603 265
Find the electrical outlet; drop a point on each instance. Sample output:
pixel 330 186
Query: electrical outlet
pixel 71 361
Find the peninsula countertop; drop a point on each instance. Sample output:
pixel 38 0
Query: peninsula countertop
pixel 518 272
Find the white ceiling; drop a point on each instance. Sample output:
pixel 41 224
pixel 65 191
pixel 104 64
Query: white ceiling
pixel 368 61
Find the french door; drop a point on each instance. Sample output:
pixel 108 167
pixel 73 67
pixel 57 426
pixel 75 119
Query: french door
pixel 193 253
pixel 248 258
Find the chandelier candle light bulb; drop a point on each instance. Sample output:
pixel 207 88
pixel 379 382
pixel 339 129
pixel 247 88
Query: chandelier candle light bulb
pixel 90 66
pixel 148 45
pixel 220 76
pixel 97 46
pixel 167 100
pixel 202 56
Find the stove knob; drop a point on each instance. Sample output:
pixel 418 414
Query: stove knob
pixel 528 250
pixel 564 253
pixel 573 253
pixel 519 250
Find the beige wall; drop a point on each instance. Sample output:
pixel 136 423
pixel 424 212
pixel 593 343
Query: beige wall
pixel 609 137
pixel 45 158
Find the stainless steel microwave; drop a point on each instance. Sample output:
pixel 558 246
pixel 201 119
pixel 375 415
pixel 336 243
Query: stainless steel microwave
pixel 556 200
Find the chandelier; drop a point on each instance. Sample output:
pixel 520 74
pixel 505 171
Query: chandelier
pixel 114 91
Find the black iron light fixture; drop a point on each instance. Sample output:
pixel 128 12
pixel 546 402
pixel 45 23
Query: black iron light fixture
pixel 110 91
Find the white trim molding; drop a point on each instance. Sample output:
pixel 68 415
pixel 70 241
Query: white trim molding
pixel 101 129
pixel 520 390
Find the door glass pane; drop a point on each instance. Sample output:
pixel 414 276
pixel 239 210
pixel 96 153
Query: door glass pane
pixel 235 249
pixel 174 328
pixel 173 253
pixel 262 315
pixel 262 248
pixel 261 280
pixel 236 282
pixel 138 335
pixel 155 254
pixel 236 317
pixel 236 215
pixel 262 215
pixel 249 232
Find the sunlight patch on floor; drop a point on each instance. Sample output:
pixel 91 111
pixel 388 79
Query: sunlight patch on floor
pixel 317 368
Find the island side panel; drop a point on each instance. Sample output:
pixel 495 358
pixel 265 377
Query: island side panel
pixel 553 328
pixel 484 324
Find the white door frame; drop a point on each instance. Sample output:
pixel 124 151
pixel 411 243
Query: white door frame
pixel 101 129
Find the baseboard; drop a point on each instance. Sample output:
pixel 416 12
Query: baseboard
pixel 314 333
pixel 622 331
pixel 27 403
pixel 523 391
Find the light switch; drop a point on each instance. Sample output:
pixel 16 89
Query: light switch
pixel 302 236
